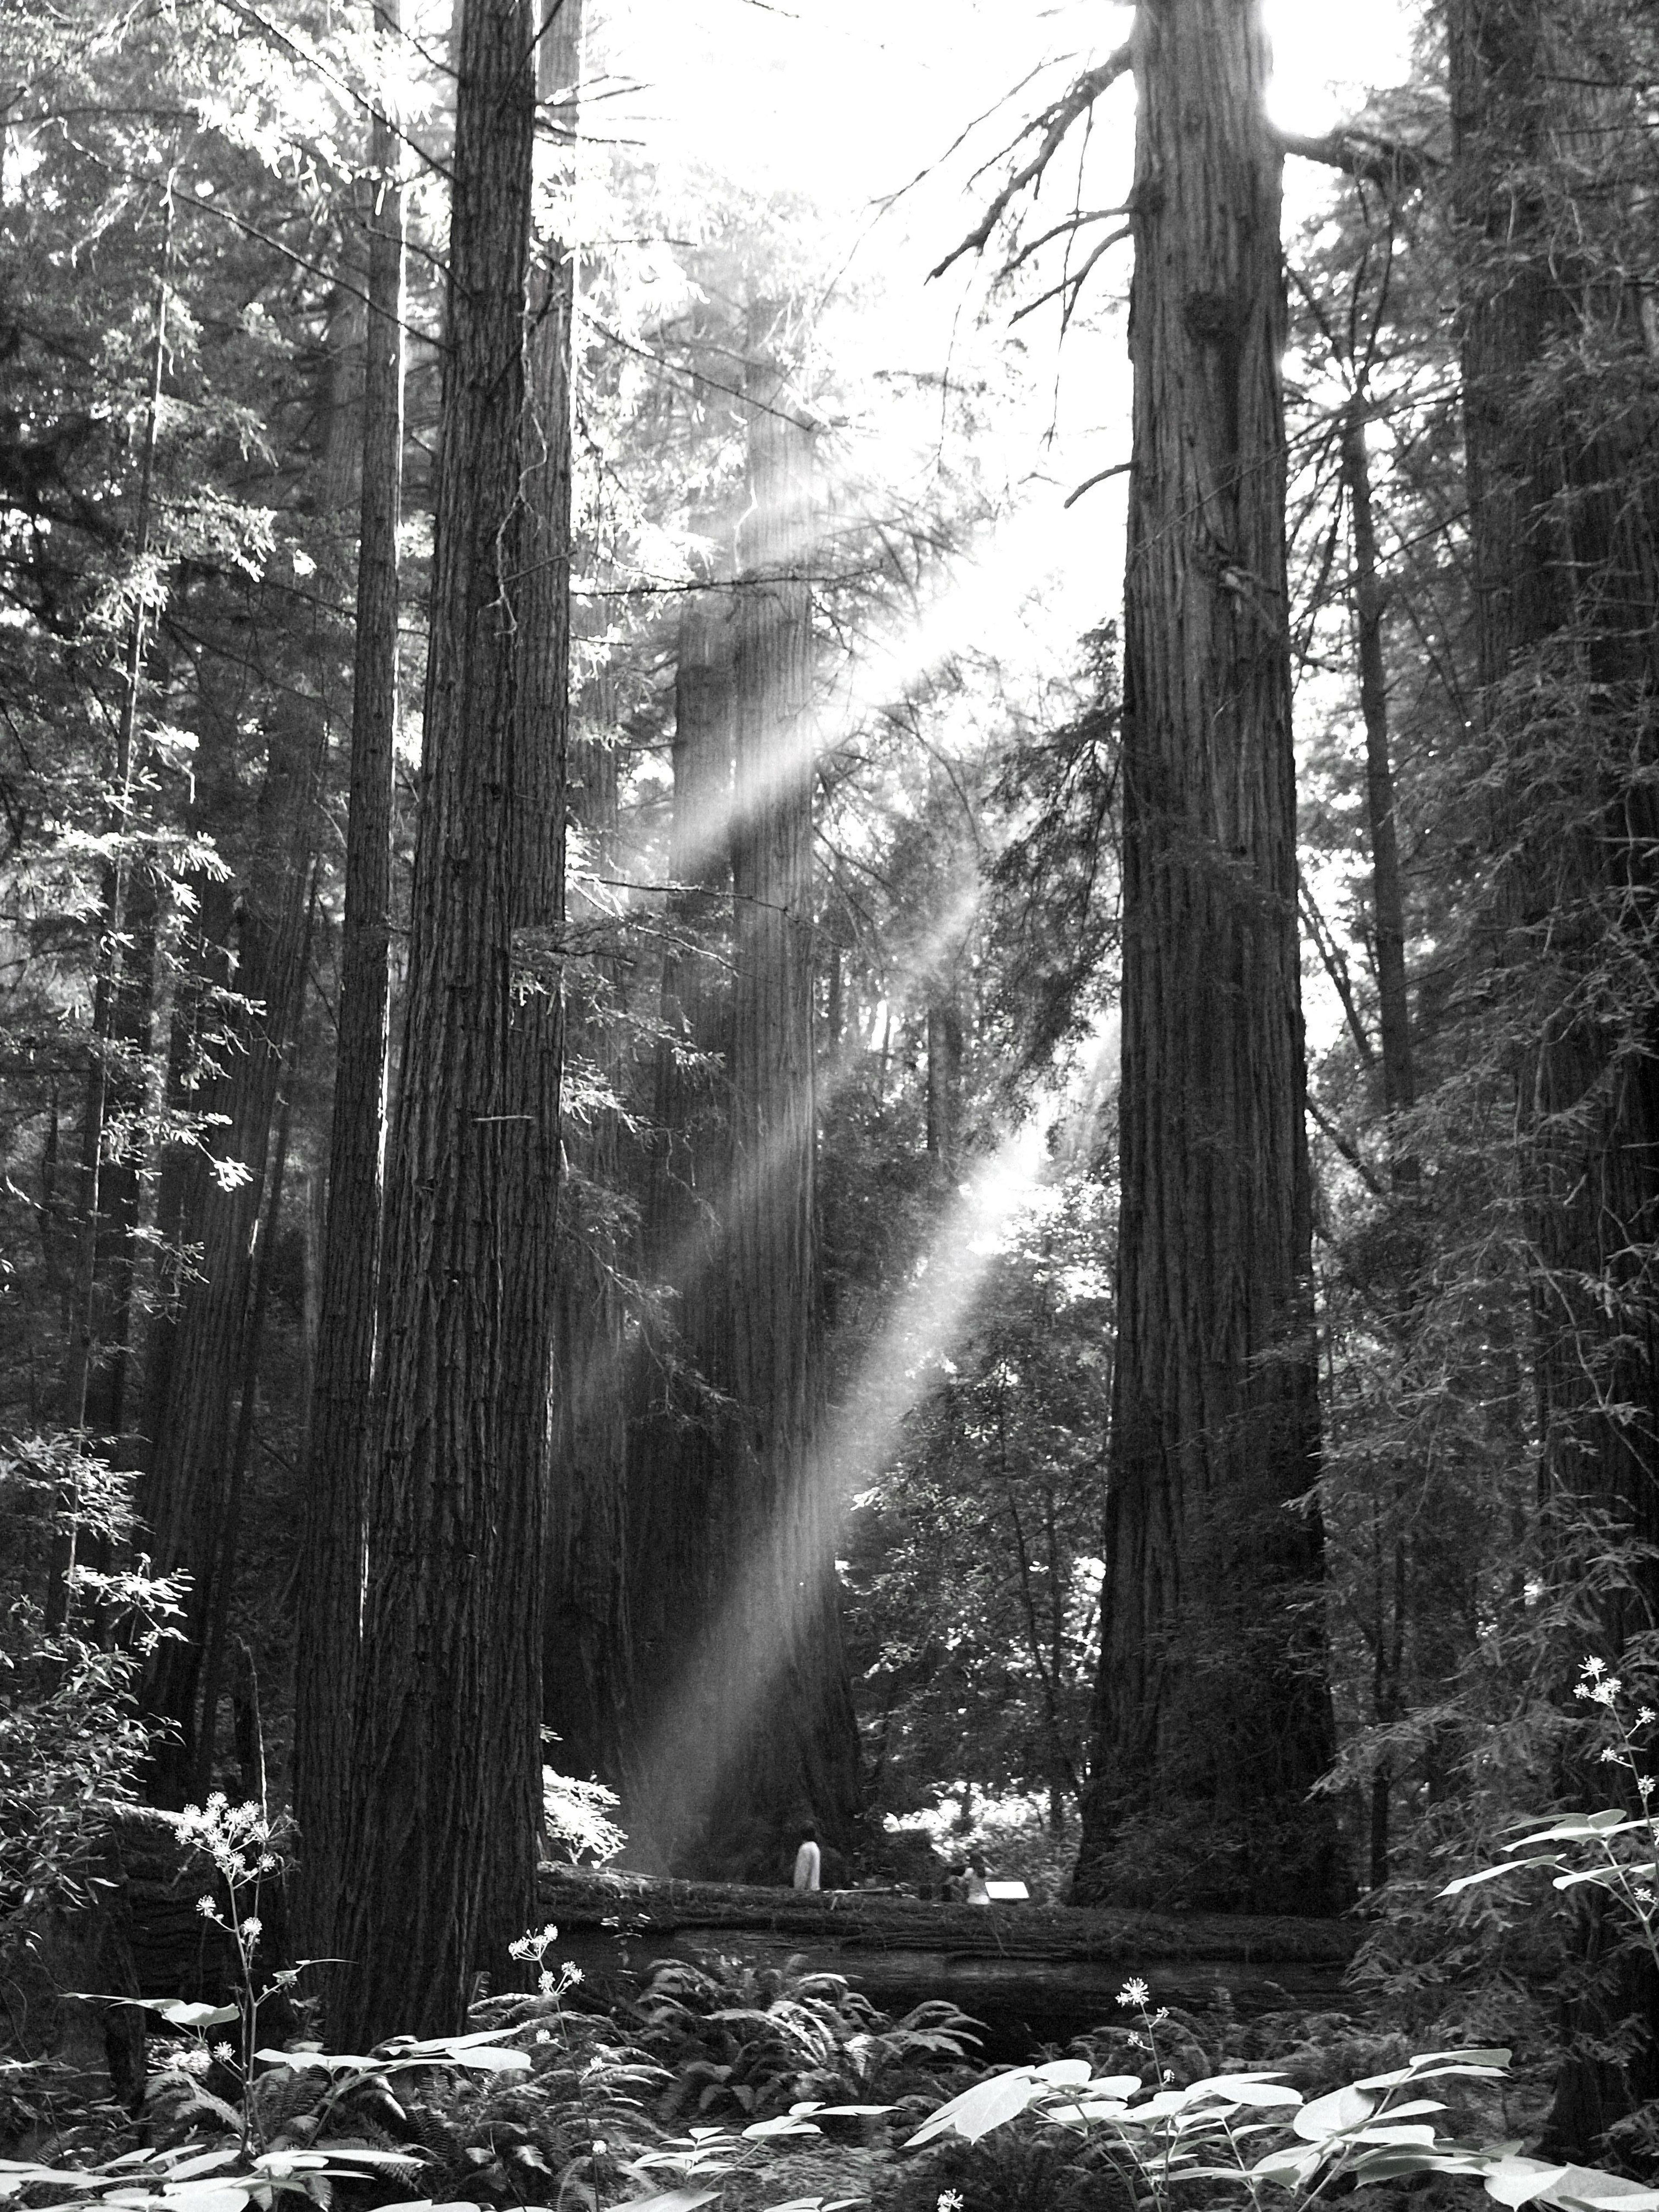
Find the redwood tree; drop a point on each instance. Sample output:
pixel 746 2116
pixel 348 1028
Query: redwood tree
pixel 444 1804
pixel 1213 1717
pixel 331 1547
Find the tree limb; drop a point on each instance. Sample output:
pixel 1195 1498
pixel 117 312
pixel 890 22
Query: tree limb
pixel 1345 1145
pixel 1389 163
pixel 1053 123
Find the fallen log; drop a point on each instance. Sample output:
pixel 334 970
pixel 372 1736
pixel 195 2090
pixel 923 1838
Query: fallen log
pixel 1032 1974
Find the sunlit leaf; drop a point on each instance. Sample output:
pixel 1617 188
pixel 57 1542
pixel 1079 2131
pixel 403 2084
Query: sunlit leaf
pixel 1334 2114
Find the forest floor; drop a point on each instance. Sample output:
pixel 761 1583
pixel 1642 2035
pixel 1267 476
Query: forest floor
pixel 748 2087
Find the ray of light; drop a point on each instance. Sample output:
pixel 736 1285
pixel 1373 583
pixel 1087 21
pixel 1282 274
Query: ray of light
pixel 784 1580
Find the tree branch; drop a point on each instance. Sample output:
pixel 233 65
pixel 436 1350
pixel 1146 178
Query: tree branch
pixel 1389 163
pixel 1345 1145
pixel 1053 123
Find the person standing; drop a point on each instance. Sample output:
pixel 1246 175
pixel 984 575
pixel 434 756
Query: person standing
pixel 977 1891
pixel 808 1860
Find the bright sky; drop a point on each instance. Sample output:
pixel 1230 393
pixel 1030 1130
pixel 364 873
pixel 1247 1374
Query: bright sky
pixel 849 102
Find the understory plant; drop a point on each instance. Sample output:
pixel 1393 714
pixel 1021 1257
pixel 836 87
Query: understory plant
pixel 756 2040
pixel 1253 2138
pixel 1615 1849
pixel 71 1739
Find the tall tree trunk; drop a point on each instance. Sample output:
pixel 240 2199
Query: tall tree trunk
pixel 682 1416
pixel 1391 1559
pixel 785 1728
pixel 586 1665
pixel 1387 893
pixel 331 1551
pixel 1213 1717
pixel 1560 404
pixel 445 1770
pixel 535 1038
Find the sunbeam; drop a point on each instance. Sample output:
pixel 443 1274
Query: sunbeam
pixel 786 1576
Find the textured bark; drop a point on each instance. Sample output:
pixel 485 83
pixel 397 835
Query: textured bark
pixel 1213 1716
pixel 535 1039
pixel 331 1551
pixel 444 1773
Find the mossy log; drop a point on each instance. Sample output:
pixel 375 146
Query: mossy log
pixel 1032 1974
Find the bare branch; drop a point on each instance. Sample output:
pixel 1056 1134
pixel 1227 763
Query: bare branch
pixel 1345 1145
pixel 1073 222
pixel 1070 287
pixel 1389 163
pixel 1053 123
pixel 1117 469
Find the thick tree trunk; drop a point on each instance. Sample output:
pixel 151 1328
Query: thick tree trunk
pixel 1213 1717
pixel 445 1771
pixel 332 1552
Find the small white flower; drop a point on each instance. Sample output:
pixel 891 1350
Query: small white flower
pixel 1609 1754
pixel 519 1947
pixel 223 2053
pixel 1643 1895
pixel 1606 1691
pixel 572 1974
pixel 207 1908
pixel 1162 2013
pixel 1133 1992
pixel 267 1862
pixel 1593 1668
pixel 250 1927
pixel 1646 1717
pixel 541 2036
pixel 948 2200
pixel 1168 2073
pixel 598 2147
pixel 1644 1783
